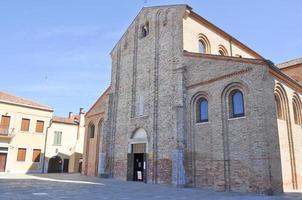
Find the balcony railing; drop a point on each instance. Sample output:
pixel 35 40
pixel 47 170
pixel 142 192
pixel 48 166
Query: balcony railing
pixel 6 132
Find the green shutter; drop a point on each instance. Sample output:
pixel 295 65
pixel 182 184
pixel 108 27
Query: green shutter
pixel 60 138
pixel 55 138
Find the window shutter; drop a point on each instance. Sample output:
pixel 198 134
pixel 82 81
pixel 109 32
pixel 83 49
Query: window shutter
pixel 60 138
pixel 25 124
pixel 21 154
pixel 40 126
pixel 5 121
pixel 55 138
pixel 36 155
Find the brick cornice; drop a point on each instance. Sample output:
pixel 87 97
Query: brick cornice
pixel 220 78
pixel 276 72
pixel 225 58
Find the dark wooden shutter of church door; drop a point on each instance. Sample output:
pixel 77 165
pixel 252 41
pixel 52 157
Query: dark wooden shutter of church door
pixel 130 167
pixel 145 167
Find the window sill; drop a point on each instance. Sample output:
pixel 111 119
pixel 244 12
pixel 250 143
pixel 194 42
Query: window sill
pixel 140 116
pixel 234 118
pixel 57 145
pixel 198 123
pixel 28 132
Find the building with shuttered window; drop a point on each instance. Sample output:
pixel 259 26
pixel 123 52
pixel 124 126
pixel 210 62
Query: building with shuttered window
pixel 23 129
pixel 32 140
pixel 65 144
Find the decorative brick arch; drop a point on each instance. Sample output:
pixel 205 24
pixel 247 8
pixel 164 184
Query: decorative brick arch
pixel 243 87
pixel 297 109
pixel 281 95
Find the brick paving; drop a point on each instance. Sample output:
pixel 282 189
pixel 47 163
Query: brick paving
pixel 75 186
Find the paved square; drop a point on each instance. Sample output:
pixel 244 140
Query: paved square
pixel 75 186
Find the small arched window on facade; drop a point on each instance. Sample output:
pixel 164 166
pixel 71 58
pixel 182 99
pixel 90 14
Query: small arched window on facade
pixel 203 44
pixel 91 130
pixel 279 108
pixel 222 51
pixel 236 104
pixel 202 110
pixel 297 109
pixel 201 47
pixel 145 30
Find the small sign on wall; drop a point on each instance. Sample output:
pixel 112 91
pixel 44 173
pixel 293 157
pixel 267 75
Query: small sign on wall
pixel 139 175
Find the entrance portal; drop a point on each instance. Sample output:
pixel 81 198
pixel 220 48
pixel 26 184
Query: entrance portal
pixel 137 163
pixel 55 165
pixel 137 156
pixel 138 168
pixel 66 165
pixel 3 157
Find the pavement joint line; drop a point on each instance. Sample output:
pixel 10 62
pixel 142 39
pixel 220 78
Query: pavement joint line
pixel 52 180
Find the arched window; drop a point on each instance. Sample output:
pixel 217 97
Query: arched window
pixel 222 51
pixel 203 44
pixel 297 109
pixel 236 104
pixel 201 47
pixel 279 108
pixel 145 30
pixel 91 131
pixel 202 110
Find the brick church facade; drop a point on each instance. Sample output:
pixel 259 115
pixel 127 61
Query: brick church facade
pixel 191 105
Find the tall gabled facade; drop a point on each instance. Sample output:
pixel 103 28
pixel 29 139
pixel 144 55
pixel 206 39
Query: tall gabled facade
pixel 191 105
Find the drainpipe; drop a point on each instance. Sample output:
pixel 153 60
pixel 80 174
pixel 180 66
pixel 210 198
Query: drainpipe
pixel 45 144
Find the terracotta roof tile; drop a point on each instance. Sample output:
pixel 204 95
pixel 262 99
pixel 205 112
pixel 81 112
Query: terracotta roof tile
pixel 66 120
pixel 9 98
pixel 290 63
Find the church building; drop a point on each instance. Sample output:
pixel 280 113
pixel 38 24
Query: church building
pixel 190 105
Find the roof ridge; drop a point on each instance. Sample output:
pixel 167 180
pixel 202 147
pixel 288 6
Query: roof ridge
pixel 102 95
pixel 289 63
pixel 167 5
pixel 18 100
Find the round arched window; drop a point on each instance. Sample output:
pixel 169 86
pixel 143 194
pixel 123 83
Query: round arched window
pixel 237 104
pixel 201 47
pixel 202 110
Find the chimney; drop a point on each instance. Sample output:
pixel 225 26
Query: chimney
pixel 70 115
pixel 82 117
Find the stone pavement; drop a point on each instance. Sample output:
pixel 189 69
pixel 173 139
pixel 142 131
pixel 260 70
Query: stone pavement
pixel 75 186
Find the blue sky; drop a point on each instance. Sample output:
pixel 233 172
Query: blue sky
pixel 57 51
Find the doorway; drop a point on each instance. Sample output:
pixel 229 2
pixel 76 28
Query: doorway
pixel 138 167
pixel 55 165
pixel 65 165
pixel 137 163
pixel 3 157
pixel 137 157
